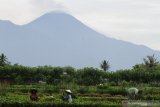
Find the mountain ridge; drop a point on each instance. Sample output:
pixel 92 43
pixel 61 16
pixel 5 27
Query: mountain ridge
pixel 59 39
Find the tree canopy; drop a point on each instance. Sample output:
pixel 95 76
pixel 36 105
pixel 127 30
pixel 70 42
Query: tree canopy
pixel 151 61
pixel 105 65
pixel 3 60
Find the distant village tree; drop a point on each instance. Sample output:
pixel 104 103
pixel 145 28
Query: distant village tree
pixel 105 65
pixel 3 60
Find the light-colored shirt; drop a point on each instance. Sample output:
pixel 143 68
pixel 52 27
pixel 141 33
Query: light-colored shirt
pixel 69 98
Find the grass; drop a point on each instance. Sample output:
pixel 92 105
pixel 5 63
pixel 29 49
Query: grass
pixel 13 99
pixel 84 96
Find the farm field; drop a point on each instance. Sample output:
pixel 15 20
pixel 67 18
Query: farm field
pixel 83 96
pixel 90 87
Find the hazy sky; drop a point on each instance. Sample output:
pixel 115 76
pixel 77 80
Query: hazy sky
pixel 137 21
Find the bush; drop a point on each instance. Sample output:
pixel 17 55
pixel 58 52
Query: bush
pixel 3 88
pixel 83 90
pixel 151 97
pixel 113 83
pixel 104 87
pixel 125 83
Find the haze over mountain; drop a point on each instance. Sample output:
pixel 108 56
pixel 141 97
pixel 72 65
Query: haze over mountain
pixel 59 39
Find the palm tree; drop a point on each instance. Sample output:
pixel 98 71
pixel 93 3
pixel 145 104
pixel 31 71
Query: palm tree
pixel 3 60
pixel 150 61
pixel 105 65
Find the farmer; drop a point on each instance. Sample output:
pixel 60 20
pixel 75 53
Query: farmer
pixel 132 93
pixel 33 95
pixel 67 96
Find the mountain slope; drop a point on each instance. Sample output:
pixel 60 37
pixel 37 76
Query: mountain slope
pixel 59 39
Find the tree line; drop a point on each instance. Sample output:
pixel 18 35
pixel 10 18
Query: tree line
pixel 147 72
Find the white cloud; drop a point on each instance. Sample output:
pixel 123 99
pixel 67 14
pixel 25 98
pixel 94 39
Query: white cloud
pixel 23 11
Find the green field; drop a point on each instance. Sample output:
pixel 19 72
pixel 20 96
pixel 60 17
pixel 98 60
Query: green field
pixel 83 96
pixel 91 87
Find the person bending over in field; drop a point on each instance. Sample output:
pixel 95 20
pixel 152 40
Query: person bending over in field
pixel 132 93
pixel 33 95
pixel 67 96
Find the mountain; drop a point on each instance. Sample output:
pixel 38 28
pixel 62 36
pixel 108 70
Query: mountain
pixel 59 39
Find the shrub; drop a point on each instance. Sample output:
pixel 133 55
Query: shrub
pixel 3 88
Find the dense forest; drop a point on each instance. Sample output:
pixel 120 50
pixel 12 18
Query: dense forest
pixel 148 72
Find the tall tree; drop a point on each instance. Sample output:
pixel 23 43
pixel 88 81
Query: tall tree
pixel 105 65
pixel 151 61
pixel 3 60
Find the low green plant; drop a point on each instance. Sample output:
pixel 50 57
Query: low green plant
pixel 3 88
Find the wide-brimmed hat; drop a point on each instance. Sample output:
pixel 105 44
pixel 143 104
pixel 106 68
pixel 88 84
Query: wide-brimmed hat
pixel 68 91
